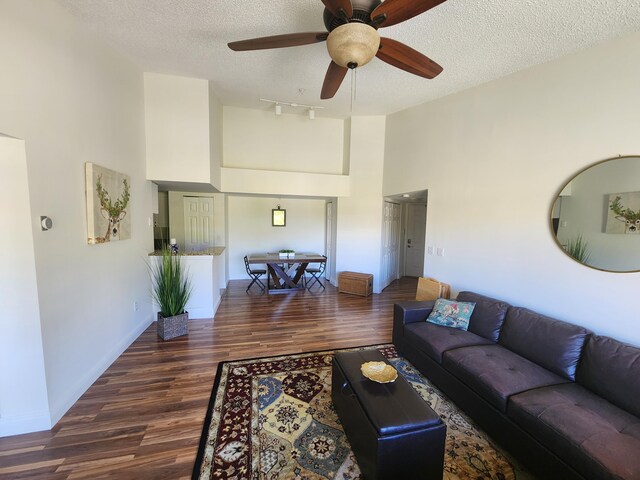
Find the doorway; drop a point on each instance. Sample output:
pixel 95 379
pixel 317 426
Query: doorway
pixel 329 240
pixel 404 231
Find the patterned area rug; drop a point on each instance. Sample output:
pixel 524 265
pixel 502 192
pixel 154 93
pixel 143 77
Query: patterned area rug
pixel 272 418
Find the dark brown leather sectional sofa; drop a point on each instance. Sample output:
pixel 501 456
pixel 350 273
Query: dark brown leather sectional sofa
pixel 563 400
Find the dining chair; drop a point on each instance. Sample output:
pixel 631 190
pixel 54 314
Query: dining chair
pixel 316 273
pixel 255 274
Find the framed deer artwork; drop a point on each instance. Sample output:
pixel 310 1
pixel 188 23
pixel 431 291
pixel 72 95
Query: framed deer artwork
pixel 623 215
pixel 108 204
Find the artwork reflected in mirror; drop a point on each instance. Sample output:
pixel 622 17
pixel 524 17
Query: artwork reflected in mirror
pixel 596 217
pixel 278 217
pixel 624 213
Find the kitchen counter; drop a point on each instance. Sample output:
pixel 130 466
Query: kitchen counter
pixel 213 251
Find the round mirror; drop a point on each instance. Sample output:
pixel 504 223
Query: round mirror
pixel 596 217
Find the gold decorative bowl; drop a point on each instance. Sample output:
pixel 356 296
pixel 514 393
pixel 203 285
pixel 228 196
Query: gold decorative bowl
pixel 380 372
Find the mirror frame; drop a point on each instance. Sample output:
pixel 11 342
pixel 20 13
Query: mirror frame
pixel 278 217
pixel 557 196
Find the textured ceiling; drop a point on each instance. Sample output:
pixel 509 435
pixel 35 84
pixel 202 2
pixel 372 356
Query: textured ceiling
pixel 474 40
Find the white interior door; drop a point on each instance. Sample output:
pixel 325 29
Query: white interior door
pixel 390 243
pixel 328 248
pixel 198 223
pixel 415 240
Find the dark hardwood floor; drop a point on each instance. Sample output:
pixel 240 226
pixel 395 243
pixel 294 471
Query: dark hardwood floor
pixel 143 417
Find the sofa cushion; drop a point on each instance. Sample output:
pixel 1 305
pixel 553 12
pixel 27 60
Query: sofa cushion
pixel 488 315
pixel 612 370
pixel 598 439
pixel 553 344
pixel 451 313
pixel 434 340
pixel 496 373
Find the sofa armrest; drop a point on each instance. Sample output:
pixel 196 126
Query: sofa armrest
pixel 405 313
pixel 412 312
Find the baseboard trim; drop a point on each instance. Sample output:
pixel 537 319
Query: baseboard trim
pixel 201 312
pixel 58 411
pixel 36 422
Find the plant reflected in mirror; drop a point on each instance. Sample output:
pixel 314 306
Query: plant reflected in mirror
pixel 596 217
pixel 578 249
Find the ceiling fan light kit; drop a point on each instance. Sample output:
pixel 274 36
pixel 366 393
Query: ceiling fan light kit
pixel 353 40
pixel 353 44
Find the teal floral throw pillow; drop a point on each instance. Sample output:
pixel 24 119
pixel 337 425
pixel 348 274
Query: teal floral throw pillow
pixel 450 313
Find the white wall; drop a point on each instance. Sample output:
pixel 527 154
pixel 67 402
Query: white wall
pixel 250 230
pixel 493 159
pixel 73 101
pixel 23 388
pixel 258 139
pixel 215 137
pixel 359 226
pixel 177 129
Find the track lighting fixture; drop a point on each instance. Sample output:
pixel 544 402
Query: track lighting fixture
pixel 311 109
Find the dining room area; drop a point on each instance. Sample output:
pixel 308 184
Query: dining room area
pixel 274 245
pixel 286 240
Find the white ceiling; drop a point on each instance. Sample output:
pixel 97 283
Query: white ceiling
pixel 474 40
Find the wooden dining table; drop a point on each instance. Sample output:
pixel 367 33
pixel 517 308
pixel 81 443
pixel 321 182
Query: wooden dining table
pixel 284 274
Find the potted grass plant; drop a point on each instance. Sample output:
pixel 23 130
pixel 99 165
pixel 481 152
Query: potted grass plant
pixel 171 289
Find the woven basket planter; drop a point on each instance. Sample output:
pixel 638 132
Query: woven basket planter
pixel 172 327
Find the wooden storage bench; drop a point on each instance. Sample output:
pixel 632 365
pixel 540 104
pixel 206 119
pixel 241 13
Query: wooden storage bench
pixel 355 283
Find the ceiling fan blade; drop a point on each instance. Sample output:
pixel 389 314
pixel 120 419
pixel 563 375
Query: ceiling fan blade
pixel 279 41
pixel 332 80
pixel 334 6
pixel 397 11
pixel 402 56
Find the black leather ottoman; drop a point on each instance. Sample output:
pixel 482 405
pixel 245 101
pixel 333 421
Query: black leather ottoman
pixel 393 432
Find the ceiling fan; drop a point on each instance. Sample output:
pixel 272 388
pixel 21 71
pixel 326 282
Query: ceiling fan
pixel 353 40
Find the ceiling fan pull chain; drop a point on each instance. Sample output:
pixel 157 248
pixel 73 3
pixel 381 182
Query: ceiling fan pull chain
pixel 355 83
pixel 353 87
pixel 351 105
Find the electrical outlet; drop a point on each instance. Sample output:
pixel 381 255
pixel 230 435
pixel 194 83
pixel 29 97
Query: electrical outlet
pixel 135 306
pixel 430 250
